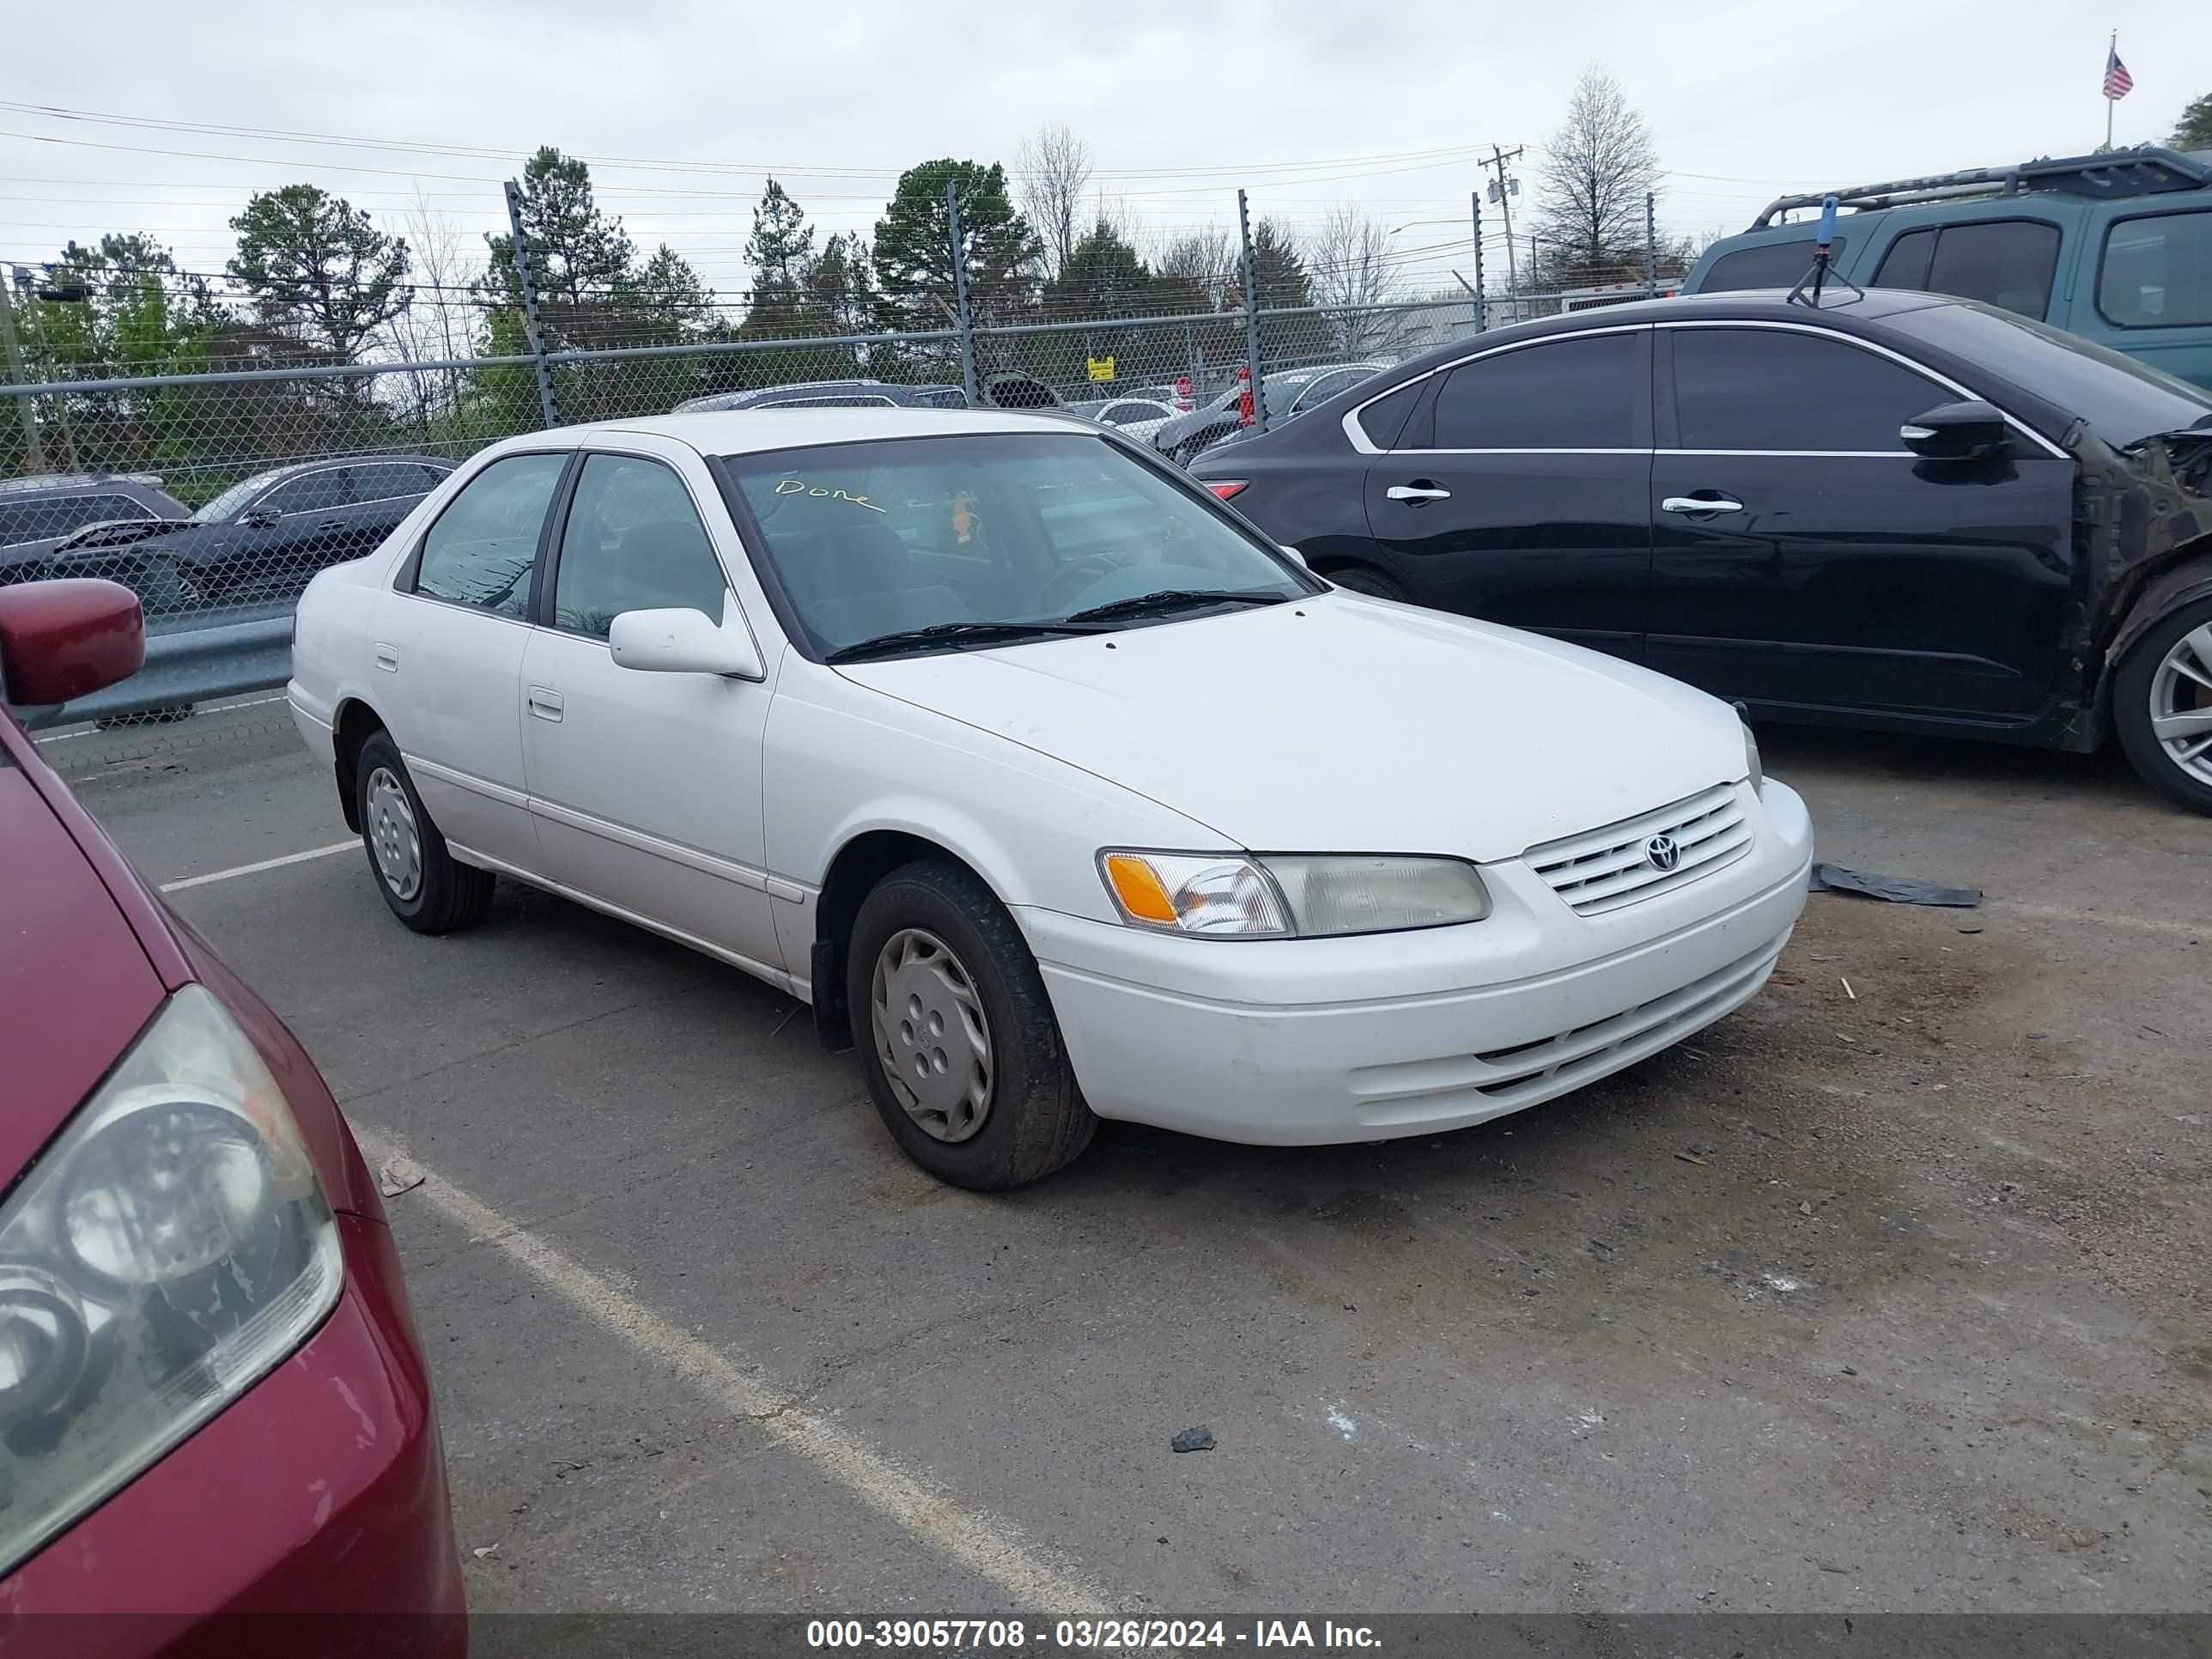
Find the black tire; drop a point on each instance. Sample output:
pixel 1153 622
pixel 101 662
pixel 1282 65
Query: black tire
pixel 163 589
pixel 1360 580
pixel 1036 1121
pixel 445 894
pixel 2133 688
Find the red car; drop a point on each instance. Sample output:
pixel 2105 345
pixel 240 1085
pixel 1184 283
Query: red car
pixel 213 1400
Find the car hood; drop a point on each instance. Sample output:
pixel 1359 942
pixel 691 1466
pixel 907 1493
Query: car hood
pixel 75 986
pixel 1345 724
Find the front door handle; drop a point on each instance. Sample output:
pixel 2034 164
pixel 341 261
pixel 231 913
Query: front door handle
pixel 545 702
pixel 1711 502
pixel 1417 493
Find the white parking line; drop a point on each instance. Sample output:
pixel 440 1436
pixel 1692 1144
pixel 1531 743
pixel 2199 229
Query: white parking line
pixel 255 869
pixel 211 708
pixel 982 1544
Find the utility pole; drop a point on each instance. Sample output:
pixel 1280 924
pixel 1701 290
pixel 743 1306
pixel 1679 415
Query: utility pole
pixel 1503 189
pixel 15 373
pixel 526 283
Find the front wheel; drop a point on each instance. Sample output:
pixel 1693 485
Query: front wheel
pixel 961 1053
pixel 422 884
pixel 2162 706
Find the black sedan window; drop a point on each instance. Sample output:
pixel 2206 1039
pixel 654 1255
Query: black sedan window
pixel 1774 389
pixel 1578 393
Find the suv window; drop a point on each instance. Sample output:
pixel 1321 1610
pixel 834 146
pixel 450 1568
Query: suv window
pixel 2005 262
pixel 312 492
pixel 385 480
pixel 1771 264
pixel 1775 389
pixel 480 550
pixel 58 515
pixel 2157 271
pixel 1575 393
pixel 633 542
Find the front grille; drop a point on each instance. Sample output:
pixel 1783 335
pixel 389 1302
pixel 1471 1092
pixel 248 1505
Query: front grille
pixel 1605 869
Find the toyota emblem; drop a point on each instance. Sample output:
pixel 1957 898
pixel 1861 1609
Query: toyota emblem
pixel 1662 853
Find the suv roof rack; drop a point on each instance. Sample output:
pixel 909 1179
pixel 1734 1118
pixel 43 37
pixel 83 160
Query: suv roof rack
pixel 31 482
pixel 2148 171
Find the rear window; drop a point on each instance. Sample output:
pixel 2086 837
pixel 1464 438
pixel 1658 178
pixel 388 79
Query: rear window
pixel 2006 263
pixel 1770 265
pixel 2157 271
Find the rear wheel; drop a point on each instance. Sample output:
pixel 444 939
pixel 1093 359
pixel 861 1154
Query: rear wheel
pixel 2162 706
pixel 1360 580
pixel 422 884
pixel 956 1036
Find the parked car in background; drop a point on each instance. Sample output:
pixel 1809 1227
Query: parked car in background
pixel 47 512
pixel 259 540
pixel 212 1390
pixel 1134 417
pixel 2115 247
pixel 1899 511
pixel 1289 395
pixel 830 394
pixel 999 741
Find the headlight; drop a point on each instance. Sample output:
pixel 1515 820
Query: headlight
pixel 1751 766
pixel 1283 894
pixel 169 1249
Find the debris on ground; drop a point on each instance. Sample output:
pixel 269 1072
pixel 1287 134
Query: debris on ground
pixel 1198 1439
pixel 1897 890
pixel 1689 1157
pixel 400 1174
pixel 1847 991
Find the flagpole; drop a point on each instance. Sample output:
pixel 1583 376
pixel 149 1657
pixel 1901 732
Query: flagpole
pixel 2111 51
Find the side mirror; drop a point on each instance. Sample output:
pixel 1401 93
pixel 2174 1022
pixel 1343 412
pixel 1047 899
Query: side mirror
pixel 681 640
pixel 259 518
pixel 64 639
pixel 1292 554
pixel 1955 432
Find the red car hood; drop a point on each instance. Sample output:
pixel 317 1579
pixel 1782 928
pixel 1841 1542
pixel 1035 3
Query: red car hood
pixel 75 986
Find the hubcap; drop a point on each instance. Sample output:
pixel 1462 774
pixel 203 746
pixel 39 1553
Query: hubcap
pixel 2181 703
pixel 393 841
pixel 931 1036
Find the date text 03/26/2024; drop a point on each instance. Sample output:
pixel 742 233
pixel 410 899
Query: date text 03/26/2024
pixel 987 1636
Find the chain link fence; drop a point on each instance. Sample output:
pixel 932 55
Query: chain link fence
pixel 231 460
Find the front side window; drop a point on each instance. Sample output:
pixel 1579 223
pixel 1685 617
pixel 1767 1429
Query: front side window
pixel 1578 393
pixel 633 542
pixel 1776 389
pixel 480 550
pixel 2004 262
pixel 2157 271
pixel 870 539
pixel 310 492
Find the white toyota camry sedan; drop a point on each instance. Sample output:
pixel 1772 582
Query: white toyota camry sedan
pixel 1056 790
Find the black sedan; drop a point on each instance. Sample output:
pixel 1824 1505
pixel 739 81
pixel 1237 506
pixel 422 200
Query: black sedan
pixel 1898 510
pixel 260 539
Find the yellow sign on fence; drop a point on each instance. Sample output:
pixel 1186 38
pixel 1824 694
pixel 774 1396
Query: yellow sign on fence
pixel 1102 368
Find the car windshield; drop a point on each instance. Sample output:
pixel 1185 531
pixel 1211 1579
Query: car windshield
pixel 226 506
pixel 992 529
pixel 2125 400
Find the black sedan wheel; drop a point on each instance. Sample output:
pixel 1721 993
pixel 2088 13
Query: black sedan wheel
pixel 2162 706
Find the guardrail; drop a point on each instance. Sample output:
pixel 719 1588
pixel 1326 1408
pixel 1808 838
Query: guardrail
pixel 196 664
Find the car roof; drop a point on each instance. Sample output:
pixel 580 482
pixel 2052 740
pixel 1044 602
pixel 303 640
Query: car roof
pixel 742 432
pixel 56 484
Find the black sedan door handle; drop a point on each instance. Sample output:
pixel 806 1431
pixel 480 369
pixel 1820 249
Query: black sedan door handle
pixel 1418 493
pixel 1709 501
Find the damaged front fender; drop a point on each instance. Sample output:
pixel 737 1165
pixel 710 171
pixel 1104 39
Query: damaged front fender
pixel 2144 518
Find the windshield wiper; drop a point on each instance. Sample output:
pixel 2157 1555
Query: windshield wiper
pixel 950 632
pixel 1172 599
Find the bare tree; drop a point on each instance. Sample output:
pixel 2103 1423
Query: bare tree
pixel 1348 259
pixel 1596 171
pixel 1203 260
pixel 1055 171
pixel 436 325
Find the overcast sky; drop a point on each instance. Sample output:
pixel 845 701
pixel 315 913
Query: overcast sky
pixel 1180 102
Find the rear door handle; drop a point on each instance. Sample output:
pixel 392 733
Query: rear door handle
pixel 1417 493
pixel 545 702
pixel 1706 503
pixel 388 659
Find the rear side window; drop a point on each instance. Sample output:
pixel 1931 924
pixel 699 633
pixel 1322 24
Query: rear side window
pixel 1773 389
pixel 481 549
pixel 2157 271
pixel 1567 394
pixel 2005 262
pixel 58 515
pixel 386 479
pixel 1771 264
pixel 1385 418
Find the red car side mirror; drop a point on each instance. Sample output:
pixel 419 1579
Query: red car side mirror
pixel 64 639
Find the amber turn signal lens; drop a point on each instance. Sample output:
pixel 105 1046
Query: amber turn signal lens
pixel 1139 888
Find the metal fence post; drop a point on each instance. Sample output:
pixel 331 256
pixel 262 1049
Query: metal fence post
pixel 963 318
pixel 1481 308
pixel 546 404
pixel 1251 313
pixel 26 405
pixel 1651 245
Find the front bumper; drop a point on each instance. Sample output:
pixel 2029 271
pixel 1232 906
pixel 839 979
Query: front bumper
pixel 1307 1042
pixel 311 1517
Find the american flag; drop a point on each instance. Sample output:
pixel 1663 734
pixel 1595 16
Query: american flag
pixel 2117 82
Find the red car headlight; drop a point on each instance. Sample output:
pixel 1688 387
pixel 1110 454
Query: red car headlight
pixel 168 1249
